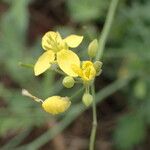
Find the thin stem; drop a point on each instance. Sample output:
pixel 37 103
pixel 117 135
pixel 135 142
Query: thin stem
pixel 26 65
pixel 60 72
pixel 106 28
pixel 87 88
pixel 94 123
pixel 102 42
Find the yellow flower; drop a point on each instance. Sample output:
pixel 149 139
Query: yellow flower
pixel 56 104
pixel 87 72
pixel 57 49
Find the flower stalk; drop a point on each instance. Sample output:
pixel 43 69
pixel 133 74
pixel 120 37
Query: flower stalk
pixel 102 42
pixel 94 123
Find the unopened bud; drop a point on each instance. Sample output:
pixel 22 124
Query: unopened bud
pixel 68 82
pixel 87 99
pixel 56 104
pixel 92 49
pixel 98 66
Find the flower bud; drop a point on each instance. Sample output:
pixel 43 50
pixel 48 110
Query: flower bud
pixel 87 99
pixel 98 66
pixel 92 49
pixel 68 82
pixel 56 104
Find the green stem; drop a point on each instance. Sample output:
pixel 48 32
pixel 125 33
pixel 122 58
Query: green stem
pixel 102 42
pixel 86 88
pixel 26 65
pixel 94 123
pixel 106 28
pixel 60 72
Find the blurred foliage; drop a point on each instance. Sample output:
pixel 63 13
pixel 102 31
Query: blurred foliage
pixel 127 53
pixel 87 10
pixel 13 47
pixel 130 131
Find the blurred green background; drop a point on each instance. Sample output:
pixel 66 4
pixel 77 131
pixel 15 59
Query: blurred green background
pixel 123 98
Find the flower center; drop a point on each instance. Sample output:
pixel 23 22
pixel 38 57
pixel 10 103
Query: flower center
pixel 56 43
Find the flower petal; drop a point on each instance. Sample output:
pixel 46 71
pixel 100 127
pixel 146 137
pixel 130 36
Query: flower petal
pixel 73 40
pixel 43 62
pixel 66 59
pixel 48 38
pixel 56 104
pixel 77 70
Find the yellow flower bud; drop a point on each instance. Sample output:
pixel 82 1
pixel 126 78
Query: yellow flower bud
pixel 98 66
pixel 68 82
pixel 56 104
pixel 87 99
pixel 92 49
pixel 88 71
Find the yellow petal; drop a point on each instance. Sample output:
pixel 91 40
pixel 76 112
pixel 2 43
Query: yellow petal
pixel 48 38
pixel 73 40
pixel 56 104
pixel 43 62
pixel 66 59
pixel 77 70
